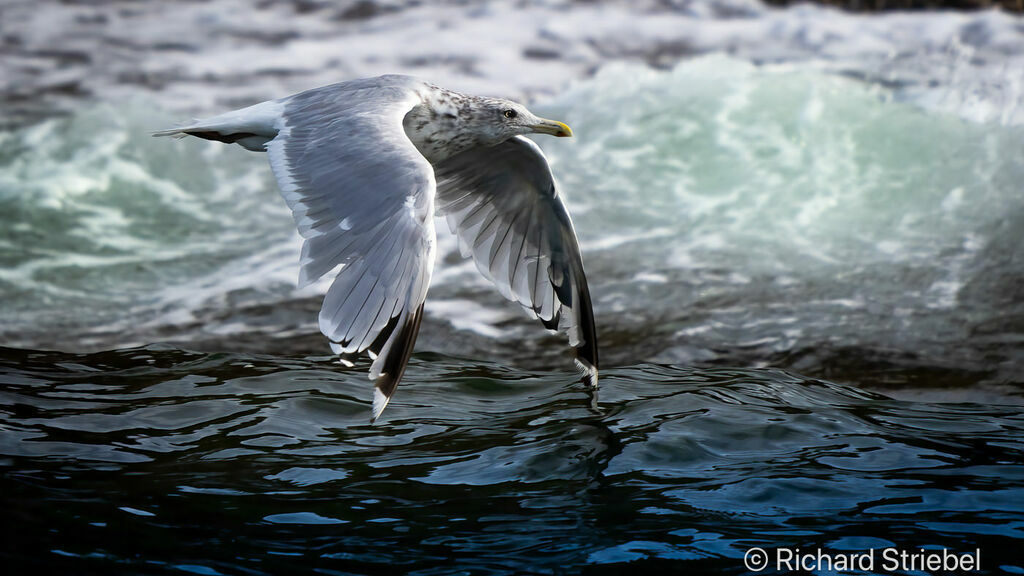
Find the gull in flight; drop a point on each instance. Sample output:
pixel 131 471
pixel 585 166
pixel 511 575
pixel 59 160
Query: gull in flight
pixel 365 166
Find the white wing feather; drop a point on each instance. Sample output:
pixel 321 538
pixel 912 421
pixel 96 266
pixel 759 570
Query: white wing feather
pixel 502 203
pixel 362 196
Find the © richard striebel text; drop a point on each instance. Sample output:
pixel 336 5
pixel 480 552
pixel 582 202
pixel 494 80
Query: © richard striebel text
pixel 881 559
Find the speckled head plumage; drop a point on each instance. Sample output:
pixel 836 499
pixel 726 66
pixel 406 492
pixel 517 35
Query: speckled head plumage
pixel 495 120
pixel 449 122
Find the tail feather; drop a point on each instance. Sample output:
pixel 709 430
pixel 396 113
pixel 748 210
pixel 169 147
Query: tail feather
pixel 175 133
pixel 250 127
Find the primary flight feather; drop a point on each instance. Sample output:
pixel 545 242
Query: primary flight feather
pixel 365 165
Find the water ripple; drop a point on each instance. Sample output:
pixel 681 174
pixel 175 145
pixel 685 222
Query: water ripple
pixel 161 455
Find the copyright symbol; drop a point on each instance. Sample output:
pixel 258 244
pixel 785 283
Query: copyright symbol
pixel 756 559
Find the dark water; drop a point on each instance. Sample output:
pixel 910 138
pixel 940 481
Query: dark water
pixel 160 460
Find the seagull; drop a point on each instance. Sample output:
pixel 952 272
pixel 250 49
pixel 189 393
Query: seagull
pixel 365 166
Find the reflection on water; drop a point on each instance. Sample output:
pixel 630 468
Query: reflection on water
pixel 152 459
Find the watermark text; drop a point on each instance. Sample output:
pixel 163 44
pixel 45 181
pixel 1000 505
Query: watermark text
pixel 879 559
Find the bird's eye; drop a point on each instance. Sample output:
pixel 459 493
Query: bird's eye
pixel 510 113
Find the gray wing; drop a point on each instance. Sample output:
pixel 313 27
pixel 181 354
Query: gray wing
pixel 362 196
pixel 502 203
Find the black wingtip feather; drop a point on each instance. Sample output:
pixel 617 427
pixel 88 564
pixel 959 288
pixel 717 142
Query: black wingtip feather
pixel 398 356
pixel 587 353
pixel 229 138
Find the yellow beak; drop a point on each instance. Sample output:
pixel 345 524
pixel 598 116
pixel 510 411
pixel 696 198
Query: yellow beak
pixel 553 127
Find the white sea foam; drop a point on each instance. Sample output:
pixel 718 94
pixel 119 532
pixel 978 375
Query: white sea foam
pixel 204 57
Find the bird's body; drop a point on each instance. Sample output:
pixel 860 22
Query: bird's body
pixel 365 166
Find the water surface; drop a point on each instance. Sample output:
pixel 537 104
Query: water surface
pixel 161 460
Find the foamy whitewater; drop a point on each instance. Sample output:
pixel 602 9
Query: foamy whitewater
pixel 802 230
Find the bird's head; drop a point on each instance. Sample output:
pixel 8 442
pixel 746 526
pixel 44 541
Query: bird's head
pixel 498 120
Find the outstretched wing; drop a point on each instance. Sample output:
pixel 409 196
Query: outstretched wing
pixel 502 203
pixel 362 196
